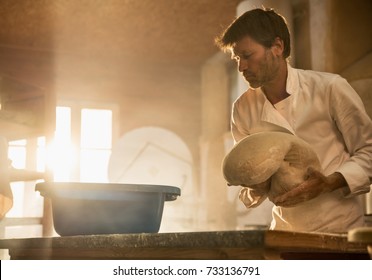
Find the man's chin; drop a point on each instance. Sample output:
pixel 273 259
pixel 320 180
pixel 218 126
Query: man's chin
pixel 253 85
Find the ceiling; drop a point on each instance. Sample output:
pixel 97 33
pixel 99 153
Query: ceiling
pixel 156 31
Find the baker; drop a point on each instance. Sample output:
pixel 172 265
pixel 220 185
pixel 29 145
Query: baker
pixel 321 109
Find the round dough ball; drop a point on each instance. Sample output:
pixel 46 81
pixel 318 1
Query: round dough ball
pixel 281 157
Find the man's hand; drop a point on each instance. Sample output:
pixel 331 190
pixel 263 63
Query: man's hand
pixel 252 196
pixel 261 188
pixel 315 184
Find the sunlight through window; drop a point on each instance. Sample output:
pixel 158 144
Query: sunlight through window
pixel 17 154
pixel 89 158
pixel 96 139
pixel 61 156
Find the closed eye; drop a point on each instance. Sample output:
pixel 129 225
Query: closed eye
pixel 246 56
pixel 240 57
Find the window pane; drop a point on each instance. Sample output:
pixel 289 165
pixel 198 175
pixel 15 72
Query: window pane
pixel 22 142
pixel 26 202
pixel 96 128
pixel 62 156
pixel 18 198
pixel 41 141
pixel 41 154
pixel 17 154
pixel 63 124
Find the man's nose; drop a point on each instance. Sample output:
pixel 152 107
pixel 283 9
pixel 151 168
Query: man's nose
pixel 242 65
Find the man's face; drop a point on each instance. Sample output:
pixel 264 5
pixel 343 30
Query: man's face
pixel 257 63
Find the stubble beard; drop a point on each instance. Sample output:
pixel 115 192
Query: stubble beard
pixel 269 68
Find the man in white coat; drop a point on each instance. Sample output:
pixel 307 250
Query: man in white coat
pixel 320 108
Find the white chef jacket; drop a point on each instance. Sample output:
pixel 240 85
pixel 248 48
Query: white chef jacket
pixel 325 111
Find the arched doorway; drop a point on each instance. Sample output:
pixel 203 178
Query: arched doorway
pixel 157 156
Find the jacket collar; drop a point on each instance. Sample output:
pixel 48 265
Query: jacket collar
pixel 269 113
pixel 293 83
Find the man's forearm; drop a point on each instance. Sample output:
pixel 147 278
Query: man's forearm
pixel 335 181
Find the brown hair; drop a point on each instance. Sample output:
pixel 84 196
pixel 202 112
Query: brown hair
pixel 262 25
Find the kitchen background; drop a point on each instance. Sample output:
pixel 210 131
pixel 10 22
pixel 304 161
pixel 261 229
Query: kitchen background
pixel 135 91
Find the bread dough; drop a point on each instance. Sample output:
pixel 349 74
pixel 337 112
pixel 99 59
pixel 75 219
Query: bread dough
pixel 277 156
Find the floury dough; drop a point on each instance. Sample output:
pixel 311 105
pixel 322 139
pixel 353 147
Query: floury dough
pixel 277 156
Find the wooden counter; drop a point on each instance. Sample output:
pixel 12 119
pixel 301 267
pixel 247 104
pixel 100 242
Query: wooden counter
pixel 248 244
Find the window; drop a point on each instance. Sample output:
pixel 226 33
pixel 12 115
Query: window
pixel 26 201
pixel 61 153
pixel 27 204
pixel 80 151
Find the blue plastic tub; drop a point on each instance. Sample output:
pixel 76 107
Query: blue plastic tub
pixel 106 208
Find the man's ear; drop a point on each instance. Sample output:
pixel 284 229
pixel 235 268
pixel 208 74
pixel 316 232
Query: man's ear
pixel 277 47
